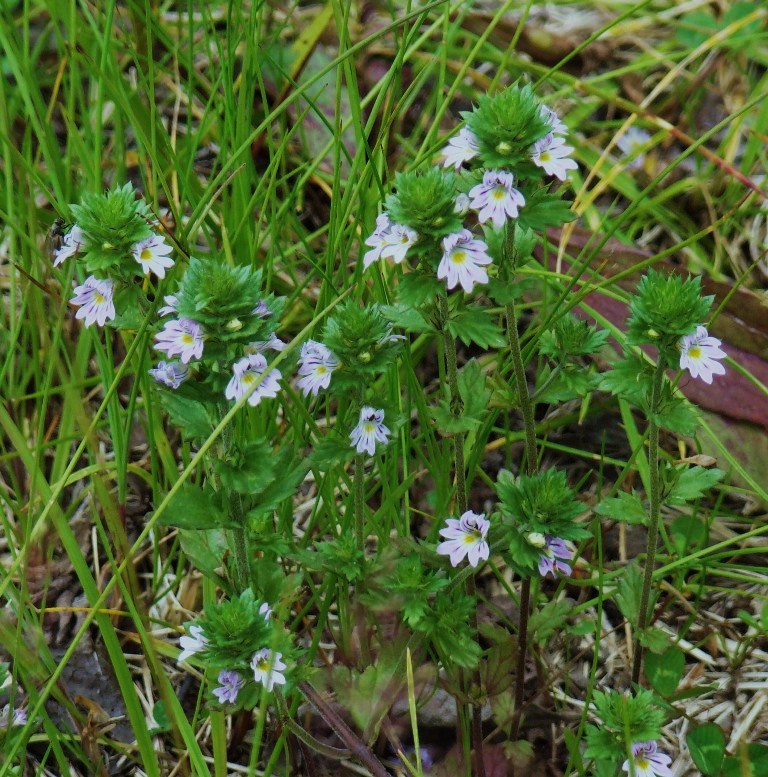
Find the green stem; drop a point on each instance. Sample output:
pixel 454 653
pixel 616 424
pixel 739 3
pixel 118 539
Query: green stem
pixel 654 509
pixel 359 493
pixel 457 407
pixel 240 541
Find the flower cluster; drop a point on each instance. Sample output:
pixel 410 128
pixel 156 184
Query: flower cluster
pixel 510 138
pixel 114 239
pixel 225 639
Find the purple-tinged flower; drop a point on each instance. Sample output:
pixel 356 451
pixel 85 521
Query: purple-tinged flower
pixel 261 310
pixel 316 365
pixel 464 257
pixel 632 143
pixel 171 374
pixel 699 354
pixel 496 198
pixel 389 241
pixel 183 337
pixel 554 555
pixel 369 430
pixel 552 155
pixel 268 668
pixel 247 371
pixel 152 255
pixel 265 611
pixel 461 148
pixel 465 536
pixel 462 204
pixel 95 297
pixel 170 307
pixel 192 643
pixel 274 343
pixel 10 719
pixel 230 683
pixel 648 761
pixel 556 125
pixel 70 245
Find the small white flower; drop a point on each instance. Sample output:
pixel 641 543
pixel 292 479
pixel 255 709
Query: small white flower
pixel 246 372
pixel 192 643
pixel 230 683
pixel 70 245
pixel 95 298
pixel 552 155
pixel 170 307
pixel 496 198
pixel 262 310
pixel 463 259
pixel 632 143
pixel 316 365
pixel 274 343
pixel 152 255
pixel 648 762
pixel 8 720
pixel 183 337
pixel 171 374
pixel 699 354
pixel 265 611
pixel 461 148
pixel 388 241
pixel 556 125
pixel 369 430
pixel 465 536
pixel 462 204
pixel 268 668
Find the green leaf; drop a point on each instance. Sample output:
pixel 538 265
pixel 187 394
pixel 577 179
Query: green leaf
pixel 407 318
pixel 706 745
pixel 630 378
pixel 566 385
pixel 475 397
pixel 574 751
pixel 330 451
pixel 160 714
pixel 189 415
pixel 629 591
pixel 205 549
pixel 249 469
pixel 676 414
pixel 628 508
pixel 656 640
pixel 550 618
pixel 193 507
pixel 543 209
pixel 665 670
pixel 284 485
pixel 751 760
pixel 416 288
pixel 694 28
pixel 688 531
pixel 692 483
pixel 476 325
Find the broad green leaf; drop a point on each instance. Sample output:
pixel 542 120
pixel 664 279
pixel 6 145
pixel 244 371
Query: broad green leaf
pixel 205 549
pixel 193 507
pixel 665 670
pixel 248 470
pixel 476 325
pixel 751 760
pixel 628 508
pixel 188 414
pixel 691 483
pixel 706 745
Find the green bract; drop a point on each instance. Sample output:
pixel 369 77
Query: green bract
pixel 235 630
pixel 626 719
pixel 664 308
pixel 425 201
pixel 506 126
pixel 223 299
pixel 571 337
pixel 361 338
pixel 112 224
pixel 532 506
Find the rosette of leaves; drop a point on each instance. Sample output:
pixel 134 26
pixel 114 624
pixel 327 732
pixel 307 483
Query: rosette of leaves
pixel 531 506
pixel 624 720
pixel 425 200
pixel 506 125
pixel 361 338
pixel 223 298
pixel 235 630
pixel 112 224
pixel 663 309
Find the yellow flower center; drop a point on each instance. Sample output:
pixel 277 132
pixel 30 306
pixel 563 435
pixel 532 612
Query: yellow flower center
pixel 145 255
pixel 369 427
pixel 642 763
pixel 98 298
pixel 545 156
pixel 248 378
pixel 321 370
pixel 695 352
pixel 499 192
pixel 470 538
pixel 459 257
pixel 187 339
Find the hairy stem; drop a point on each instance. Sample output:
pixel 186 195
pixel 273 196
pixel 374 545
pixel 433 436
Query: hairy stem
pixel 359 489
pixel 653 523
pixel 457 406
pixel 240 541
